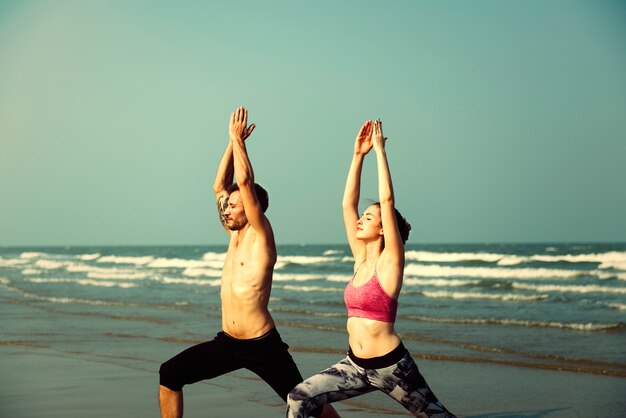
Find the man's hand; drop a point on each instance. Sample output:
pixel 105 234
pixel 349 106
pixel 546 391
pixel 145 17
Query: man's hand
pixel 238 127
pixel 363 143
pixel 378 140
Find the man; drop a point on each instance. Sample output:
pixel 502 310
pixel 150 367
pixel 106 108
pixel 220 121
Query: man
pixel 249 338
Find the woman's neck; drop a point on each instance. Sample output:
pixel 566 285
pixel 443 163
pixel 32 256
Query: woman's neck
pixel 373 249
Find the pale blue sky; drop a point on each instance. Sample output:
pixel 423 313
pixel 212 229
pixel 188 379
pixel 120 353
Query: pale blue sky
pixel 506 120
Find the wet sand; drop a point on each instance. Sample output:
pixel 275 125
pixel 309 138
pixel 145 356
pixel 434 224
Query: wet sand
pixel 41 382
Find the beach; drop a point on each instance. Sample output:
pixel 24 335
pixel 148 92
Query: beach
pixel 39 382
pixel 497 331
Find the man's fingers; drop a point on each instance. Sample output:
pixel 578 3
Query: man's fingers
pixel 250 129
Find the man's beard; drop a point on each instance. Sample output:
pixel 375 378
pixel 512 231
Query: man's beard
pixel 236 226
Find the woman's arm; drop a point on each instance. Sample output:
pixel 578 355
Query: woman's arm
pixel 393 254
pixel 350 203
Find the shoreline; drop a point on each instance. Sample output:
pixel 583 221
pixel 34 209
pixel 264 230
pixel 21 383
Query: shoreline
pixel 43 382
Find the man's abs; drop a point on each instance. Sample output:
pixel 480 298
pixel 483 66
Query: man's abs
pixel 244 307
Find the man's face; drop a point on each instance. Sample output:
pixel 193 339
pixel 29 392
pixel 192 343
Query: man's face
pixel 234 213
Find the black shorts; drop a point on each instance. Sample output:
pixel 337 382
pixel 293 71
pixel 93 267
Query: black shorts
pixel 266 356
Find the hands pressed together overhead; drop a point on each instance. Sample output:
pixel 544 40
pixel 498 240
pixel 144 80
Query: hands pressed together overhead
pixel 238 127
pixel 370 136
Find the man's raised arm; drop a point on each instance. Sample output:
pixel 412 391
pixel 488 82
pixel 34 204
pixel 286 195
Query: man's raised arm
pixel 224 178
pixel 244 175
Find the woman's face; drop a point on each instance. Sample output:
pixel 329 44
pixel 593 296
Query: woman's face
pixel 369 226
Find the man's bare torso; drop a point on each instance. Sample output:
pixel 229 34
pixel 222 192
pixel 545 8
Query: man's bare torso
pixel 246 285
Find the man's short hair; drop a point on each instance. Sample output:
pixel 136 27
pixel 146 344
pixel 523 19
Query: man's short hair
pixel 261 194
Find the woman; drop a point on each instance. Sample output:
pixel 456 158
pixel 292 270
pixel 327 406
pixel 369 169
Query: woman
pixel 377 358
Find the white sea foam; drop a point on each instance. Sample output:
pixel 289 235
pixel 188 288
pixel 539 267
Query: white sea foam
pixel 434 270
pixel 184 263
pixel 195 272
pixel 193 282
pixel 489 296
pixel 304 259
pixel 332 252
pixel 617 265
pixel 49 264
pixel 10 262
pixel 617 306
pixel 84 282
pixel 211 256
pixel 117 275
pixel 279 265
pixel 310 288
pixel 290 277
pixel 105 272
pixel 88 257
pixel 434 257
pixel 32 255
pixel 347 259
pixel 616 257
pixel 589 326
pixel 31 272
pixel 125 260
pixel 439 282
pixel 570 288
pixel 338 278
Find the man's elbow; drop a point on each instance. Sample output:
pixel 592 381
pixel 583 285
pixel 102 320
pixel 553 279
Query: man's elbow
pixel 245 181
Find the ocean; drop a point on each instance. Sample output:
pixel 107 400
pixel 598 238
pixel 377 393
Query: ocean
pixel 559 307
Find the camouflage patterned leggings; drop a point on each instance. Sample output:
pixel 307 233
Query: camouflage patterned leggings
pixel 401 380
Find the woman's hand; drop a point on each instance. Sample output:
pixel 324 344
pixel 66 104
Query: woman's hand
pixel 363 143
pixel 378 140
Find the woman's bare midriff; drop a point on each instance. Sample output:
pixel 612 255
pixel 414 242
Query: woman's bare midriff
pixel 370 338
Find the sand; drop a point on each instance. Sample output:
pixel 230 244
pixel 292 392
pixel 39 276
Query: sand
pixel 41 382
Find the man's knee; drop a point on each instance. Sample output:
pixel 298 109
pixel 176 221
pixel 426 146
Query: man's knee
pixel 169 378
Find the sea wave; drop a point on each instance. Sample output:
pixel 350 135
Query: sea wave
pixel 31 272
pixel 617 306
pixel 570 288
pixel 341 278
pixel 184 263
pixel 212 256
pixel 507 297
pixel 435 270
pixel 307 289
pixel 610 258
pixel 125 260
pixel 440 282
pixel 332 252
pixel 88 257
pixel 84 282
pixel 305 259
pixel 616 265
pixel 195 272
pixel 104 272
pixel 32 254
pixel 288 277
pixel 118 275
pixel 194 282
pixel 49 264
pixel 576 326
pixel 10 262
pixel 435 257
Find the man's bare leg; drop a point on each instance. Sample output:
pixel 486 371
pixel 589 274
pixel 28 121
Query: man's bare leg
pixel 171 403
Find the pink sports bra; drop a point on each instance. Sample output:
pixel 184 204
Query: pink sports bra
pixel 370 301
